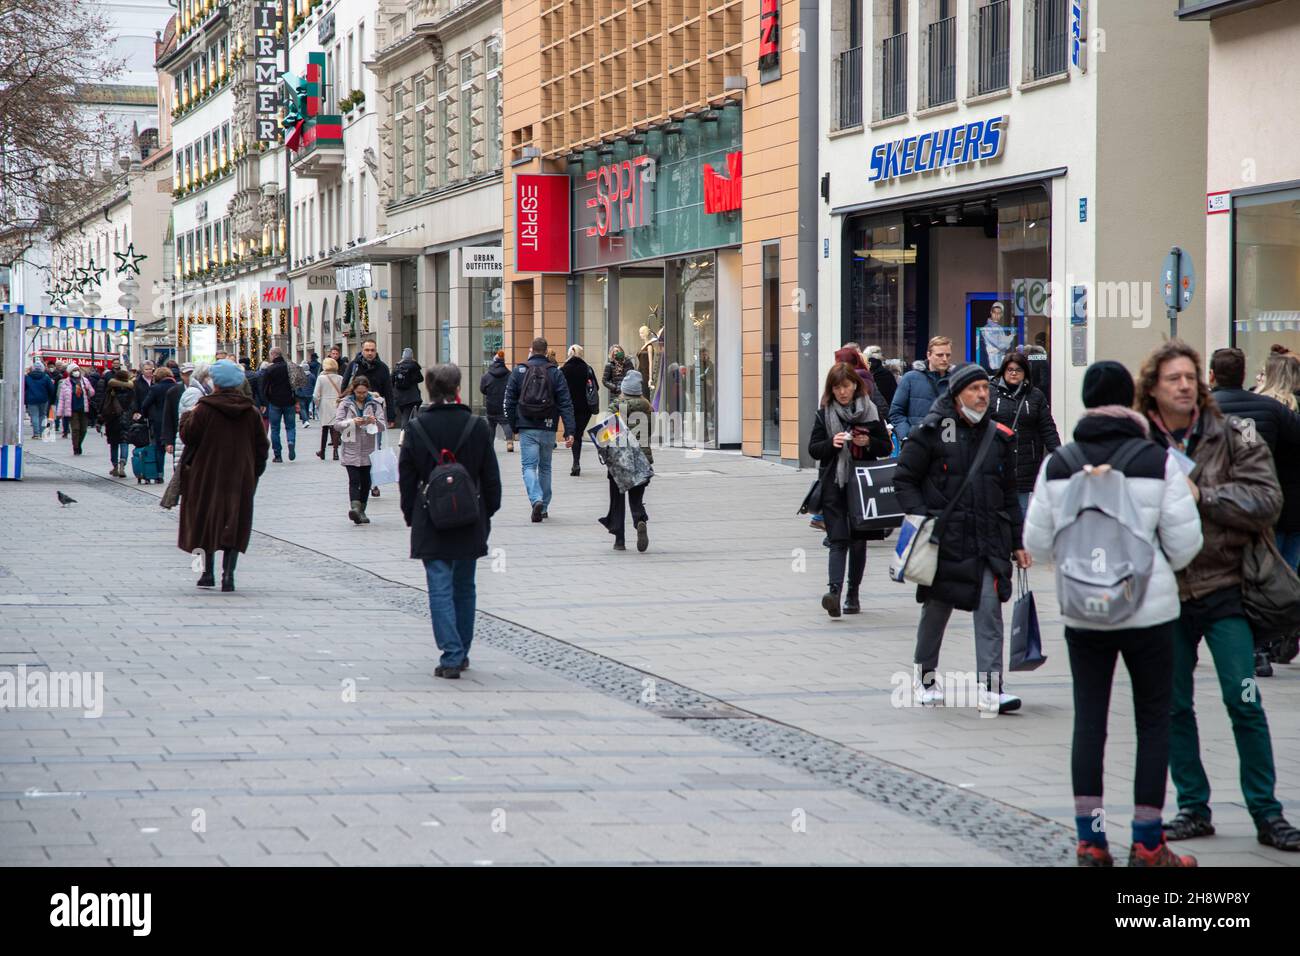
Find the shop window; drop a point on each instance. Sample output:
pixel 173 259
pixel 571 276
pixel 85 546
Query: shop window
pixel 1266 275
pixel 772 348
pixel 593 290
pixel 487 334
pixel 690 376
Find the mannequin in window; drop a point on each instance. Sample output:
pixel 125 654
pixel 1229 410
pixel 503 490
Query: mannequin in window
pixel 648 356
pixel 997 337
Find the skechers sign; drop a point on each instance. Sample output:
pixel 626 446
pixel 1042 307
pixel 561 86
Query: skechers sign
pixel 955 146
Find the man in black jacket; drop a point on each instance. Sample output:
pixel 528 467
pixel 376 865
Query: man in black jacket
pixel 1272 421
pixel 537 431
pixel 450 555
pixel 979 538
pixel 171 409
pixel 373 368
pixel 280 403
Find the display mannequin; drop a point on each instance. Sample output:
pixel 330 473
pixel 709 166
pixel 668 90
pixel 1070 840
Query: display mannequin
pixel 648 356
pixel 998 339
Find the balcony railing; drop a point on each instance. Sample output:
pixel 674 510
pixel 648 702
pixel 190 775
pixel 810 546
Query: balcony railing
pixel 1051 36
pixel 849 80
pixel 941 70
pixel 893 78
pixel 994 43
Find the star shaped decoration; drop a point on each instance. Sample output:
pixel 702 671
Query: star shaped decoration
pixel 58 295
pixel 129 262
pixel 89 275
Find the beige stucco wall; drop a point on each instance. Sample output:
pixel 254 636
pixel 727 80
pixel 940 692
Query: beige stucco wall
pixel 1151 134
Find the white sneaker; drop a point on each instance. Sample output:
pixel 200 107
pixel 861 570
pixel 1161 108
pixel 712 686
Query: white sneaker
pixel 925 696
pixel 995 703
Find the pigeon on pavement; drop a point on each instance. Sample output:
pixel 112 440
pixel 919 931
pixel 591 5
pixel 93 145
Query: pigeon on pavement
pixel 65 500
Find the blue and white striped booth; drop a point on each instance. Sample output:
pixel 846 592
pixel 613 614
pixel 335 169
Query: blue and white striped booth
pixel 11 456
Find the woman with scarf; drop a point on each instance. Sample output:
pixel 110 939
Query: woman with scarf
pixel 847 431
pixel 617 366
pixel 1023 408
pixel 75 393
pixel 115 413
pixel 358 420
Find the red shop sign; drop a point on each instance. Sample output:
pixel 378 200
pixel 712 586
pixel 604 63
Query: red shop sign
pixel 769 34
pixel 722 193
pixel 621 194
pixel 542 222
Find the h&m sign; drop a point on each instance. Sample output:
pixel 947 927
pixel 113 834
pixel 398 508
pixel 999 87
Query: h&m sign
pixel 276 294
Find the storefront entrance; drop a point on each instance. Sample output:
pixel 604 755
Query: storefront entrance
pixel 976 270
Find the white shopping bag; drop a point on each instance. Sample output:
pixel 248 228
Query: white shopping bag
pixel 383 467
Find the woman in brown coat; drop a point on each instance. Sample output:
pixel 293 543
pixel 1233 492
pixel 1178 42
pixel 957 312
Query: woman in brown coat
pixel 225 453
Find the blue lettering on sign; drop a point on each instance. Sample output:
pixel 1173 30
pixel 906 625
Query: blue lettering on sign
pixel 1076 30
pixel 952 146
pixel 1083 209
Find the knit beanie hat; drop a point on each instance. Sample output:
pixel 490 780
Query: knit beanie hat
pixel 632 383
pixel 963 376
pixel 226 374
pixel 1107 383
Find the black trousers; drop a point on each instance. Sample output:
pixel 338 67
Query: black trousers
pixel 327 433
pixel 582 422
pixel 1148 654
pixel 854 553
pixel 358 482
pixel 616 519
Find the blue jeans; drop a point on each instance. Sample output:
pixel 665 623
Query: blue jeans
pixel 285 413
pixel 38 414
pixel 119 453
pixel 535 448
pixel 1288 542
pixel 304 408
pixel 451 607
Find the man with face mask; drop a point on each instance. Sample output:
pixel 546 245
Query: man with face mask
pixel 979 538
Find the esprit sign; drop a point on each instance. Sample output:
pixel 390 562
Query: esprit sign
pixel 769 34
pixel 954 146
pixel 542 222
pixel 274 294
pixel 622 195
pixel 722 193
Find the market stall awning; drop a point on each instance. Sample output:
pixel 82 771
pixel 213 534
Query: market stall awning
pixel 80 322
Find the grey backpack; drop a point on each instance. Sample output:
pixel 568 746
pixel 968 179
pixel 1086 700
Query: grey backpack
pixel 1102 566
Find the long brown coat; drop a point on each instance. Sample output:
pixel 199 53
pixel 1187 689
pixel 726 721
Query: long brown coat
pixel 225 454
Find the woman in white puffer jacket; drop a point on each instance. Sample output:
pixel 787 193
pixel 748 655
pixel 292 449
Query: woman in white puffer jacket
pixel 1168 519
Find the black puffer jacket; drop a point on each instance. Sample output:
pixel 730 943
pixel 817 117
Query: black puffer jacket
pixel 986 524
pixel 886 384
pixel 576 372
pixel 493 387
pixel 1273 420
pixel 410 395
pixel 1025 411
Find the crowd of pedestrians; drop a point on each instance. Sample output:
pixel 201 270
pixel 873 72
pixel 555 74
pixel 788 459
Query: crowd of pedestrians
pixel 1179 475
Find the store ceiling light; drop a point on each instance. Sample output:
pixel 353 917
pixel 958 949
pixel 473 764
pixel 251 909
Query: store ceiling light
pixel 891 257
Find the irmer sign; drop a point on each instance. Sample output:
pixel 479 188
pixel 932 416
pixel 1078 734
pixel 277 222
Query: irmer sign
pixel 265 65
pixel 954 146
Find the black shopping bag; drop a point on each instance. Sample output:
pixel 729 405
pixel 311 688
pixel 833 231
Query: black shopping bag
pixel 873 506
pixel 1026 639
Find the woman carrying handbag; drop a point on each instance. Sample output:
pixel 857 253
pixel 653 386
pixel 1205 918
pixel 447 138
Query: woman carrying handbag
pixel 359 419
pixel 847 431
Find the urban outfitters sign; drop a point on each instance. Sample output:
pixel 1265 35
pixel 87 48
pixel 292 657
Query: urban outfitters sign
pixel 481 262
pixel 939 149
pixel 265 67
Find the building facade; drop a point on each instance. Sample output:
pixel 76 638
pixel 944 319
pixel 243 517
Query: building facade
pixel 229 213
pixel 977 151
pixel 437 70
pixel 1252 204
pixel 653 193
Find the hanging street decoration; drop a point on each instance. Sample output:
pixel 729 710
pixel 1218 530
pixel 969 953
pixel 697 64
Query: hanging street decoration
pixel 89 275
pixel 128 261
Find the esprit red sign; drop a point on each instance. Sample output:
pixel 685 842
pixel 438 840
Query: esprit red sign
pixel 621 196
pixel 722 193
pixel 769 34
pixel 542 222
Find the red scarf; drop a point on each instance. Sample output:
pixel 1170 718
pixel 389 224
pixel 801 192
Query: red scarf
pixel 1191 429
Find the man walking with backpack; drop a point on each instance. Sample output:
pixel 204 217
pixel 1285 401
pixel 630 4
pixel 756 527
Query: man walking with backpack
pixel 537 397
pixel 450 489
pixel 1147 528
pixel 1239 499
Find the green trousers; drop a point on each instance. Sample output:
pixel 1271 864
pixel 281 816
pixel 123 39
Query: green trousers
pixel 1232 645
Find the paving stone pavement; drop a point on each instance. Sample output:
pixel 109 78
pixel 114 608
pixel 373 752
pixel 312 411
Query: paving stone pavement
pixel 719 617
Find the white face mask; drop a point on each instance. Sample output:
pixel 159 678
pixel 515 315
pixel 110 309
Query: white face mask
pixel 76 375
pixel 972 416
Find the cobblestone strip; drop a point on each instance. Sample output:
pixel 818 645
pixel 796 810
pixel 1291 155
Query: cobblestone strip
pixel 1020 836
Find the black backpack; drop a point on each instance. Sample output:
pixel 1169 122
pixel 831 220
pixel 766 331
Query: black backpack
pixel 593 390
pixel 137 433
pixel 450 496
pixel 536 393
pixel 402 377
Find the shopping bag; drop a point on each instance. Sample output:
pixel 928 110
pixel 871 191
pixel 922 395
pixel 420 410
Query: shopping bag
pixel 383 467
pixel 873 505
pixel 1026 639
pixel 916 555
pixel 812 502
pixel 50 433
